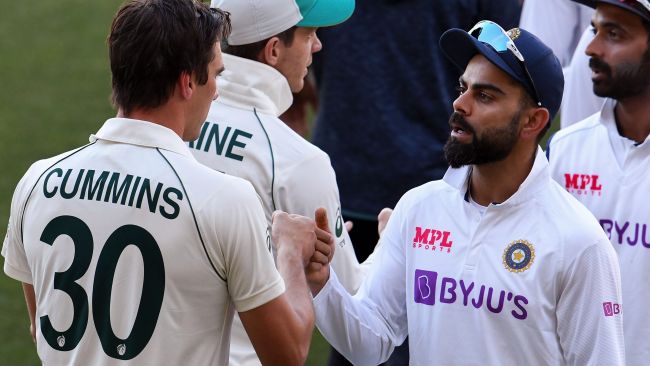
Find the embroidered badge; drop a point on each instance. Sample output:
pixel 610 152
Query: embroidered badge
pixel 518 256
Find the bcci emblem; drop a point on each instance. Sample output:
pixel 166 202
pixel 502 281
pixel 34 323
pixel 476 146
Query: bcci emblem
pixel 518 256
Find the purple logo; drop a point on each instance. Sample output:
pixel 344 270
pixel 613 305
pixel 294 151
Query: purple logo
pixel 425 287
pixel 426 290
pixel 611 308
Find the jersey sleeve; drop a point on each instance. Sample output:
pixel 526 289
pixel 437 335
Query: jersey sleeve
pixel 366 327
pixel 16 265
pixel 589 312
pixel 244 240
pixel 312 184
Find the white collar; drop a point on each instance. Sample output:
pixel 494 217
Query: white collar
pixel 246 83
pixel 538 177
pixel 608 119
pixel 141 133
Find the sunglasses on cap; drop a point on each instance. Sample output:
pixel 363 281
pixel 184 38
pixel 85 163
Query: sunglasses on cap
pixel 645 3
pixel 492 34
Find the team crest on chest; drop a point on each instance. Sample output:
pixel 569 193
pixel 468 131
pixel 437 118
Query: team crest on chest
pixel 518 256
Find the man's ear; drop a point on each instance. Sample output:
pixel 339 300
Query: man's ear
pixel 537 118
pixel 186 85
pixel 270 54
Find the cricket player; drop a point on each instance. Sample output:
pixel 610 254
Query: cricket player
pixel 604 161
pixel 266 59
pixel 132 252
pixel 495 264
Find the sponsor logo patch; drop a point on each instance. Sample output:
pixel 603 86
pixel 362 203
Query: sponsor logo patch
pixel 611 308
pixel 432 240
pixel 339 223
pixel 518 256
pixel 430 288
pixel 583 184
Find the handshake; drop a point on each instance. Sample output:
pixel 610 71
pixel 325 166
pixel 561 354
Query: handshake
pixel 311 240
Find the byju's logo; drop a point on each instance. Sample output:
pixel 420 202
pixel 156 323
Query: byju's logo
pixel 428 288
pixel 425 287
pixel 611 308
pixel 582 184
pixel 432 239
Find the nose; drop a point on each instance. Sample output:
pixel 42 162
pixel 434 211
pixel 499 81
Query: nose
pixel 317 45
pixel 216 94
pixel 594 47
pixel 461 105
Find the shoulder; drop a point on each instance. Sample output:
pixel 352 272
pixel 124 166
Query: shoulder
pixel 577 131
pixel 40 167
pixel 568 219
pixel 434 190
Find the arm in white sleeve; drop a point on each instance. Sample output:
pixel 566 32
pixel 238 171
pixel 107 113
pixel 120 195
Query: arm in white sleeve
pixel 365 328
pixel 309 185
pixel 589 311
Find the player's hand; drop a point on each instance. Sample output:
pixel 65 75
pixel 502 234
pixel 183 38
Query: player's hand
pixel 318 269
pixel 349 225
pixel 294 233
pixel 382 219
pixel 32 331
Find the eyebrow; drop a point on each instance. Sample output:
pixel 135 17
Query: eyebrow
pixel 483 86
pixel 608 24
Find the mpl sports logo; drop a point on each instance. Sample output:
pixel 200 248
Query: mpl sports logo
pixel 432 239
pixel 583 184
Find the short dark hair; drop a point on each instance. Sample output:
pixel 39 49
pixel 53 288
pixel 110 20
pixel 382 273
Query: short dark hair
pixel 251 51
pixel 153 41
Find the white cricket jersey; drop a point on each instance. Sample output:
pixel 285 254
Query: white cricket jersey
pixel 533 281
pixel 611 176
pixel 558 23
pixel 244 137
pixel 137 252
pixel 578 99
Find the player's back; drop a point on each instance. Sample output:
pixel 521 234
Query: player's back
pixel 125 246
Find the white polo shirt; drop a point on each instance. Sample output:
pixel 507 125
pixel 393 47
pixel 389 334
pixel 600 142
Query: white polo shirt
pixel 244 137
pixel 136 251
pixel 610 175
pixel 532 281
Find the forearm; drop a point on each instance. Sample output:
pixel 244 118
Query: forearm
pixel 30 300
pixel 354 326
pixel 291 268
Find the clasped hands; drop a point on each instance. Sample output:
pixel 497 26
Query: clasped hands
pixel 314 241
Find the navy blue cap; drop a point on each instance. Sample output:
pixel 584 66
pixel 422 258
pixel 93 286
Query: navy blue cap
pixel 544 68
pixel 630 5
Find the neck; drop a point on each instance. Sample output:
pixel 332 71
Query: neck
pixel 495 182
pixel 633 116
pixel 163 116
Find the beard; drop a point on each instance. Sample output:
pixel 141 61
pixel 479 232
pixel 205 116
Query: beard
pixel 494 144
pixel 623 80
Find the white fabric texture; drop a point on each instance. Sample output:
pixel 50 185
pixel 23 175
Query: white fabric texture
pixel 213 261
pixel 610 175
pixel 441 276
pixel 287 171
pixel 578 99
